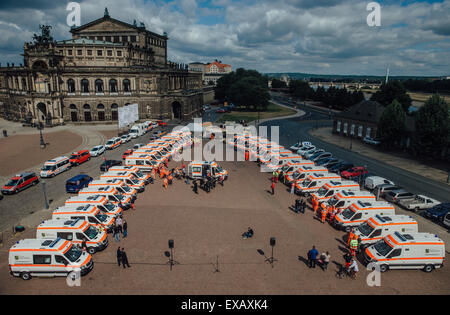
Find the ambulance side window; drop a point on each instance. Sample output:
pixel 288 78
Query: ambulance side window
pixel 81 236
pixel 340 203
pixel 395 253
pixel 376 233
pixel 65 235
pixel 42 259
pixel 61 260
pixel 92 220
pixel 139 162
pixel 357 216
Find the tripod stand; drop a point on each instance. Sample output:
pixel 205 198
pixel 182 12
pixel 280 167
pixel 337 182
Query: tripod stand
pixel 270 259
pixel 172 262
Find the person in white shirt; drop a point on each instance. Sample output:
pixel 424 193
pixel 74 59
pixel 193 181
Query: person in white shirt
pixel 354 266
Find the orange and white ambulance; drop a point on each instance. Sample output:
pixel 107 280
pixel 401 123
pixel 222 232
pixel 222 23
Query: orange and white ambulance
pixel 424 251
pixel 200 169
pixel 88 213
pixel 75 231
pixel 343 199
pixel 55 166
pixel 314 182
pixel 101 202
pixel 127 177
pixel 361 211
pixel 47 258
pixel 303 171
pixel 378 227
pixel 118 184
pixel 113 195
pixel 133 170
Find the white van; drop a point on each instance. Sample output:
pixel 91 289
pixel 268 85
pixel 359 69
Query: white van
pixel 48 258
pixel 314 182
pixel 424 251
pixel 75 231
pixel 137 131
pixel 133 170
pixel 88 213
pixel 373 181
pixel 101 202
pixel 55 166
pixel 201 169
pixel 377 227
pixel 343 199
pixel 361 211
pixel 113 195
pixel 118 184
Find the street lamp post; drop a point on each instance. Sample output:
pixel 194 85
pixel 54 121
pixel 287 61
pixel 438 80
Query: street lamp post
pixel 40 127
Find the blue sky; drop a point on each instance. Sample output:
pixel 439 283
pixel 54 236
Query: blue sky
pixel 313 36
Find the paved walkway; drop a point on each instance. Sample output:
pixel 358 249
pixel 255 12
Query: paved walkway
pixel 298 113
pixel 90 136
pixel 359 147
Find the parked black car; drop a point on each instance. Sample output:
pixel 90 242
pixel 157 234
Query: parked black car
pixel 437 213
pixel 338 168
pixel 105 166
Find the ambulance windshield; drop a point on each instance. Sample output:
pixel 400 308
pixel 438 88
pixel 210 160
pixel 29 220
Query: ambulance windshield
pixel 306 182
pixel 322 191
pixel 91 232
pixel 49 168
pixel 332 201
pixel 348 213
pixel 73 253
pixel 109 206
pixel 365 229
pixel 126 188
pixel 382 247
pixel 101 216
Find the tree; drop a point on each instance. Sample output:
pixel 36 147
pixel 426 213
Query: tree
pixel 278 84
pixel 433 127
pixel 393 90
pixel 244 88
pixel 391 126
pixel 301 89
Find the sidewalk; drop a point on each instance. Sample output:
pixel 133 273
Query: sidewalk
pixel 358 146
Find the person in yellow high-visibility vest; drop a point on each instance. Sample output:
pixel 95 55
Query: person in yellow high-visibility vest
pixel 354 246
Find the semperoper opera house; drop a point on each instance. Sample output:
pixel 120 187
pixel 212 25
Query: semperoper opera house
pixel 107 64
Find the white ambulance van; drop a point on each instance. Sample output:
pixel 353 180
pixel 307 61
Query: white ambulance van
pixel 314 182
pixel 113 195
pixel 127 177
pixel 133 170
pixel 424 251
pixel 47 258
pixel 88 213
pixel 343 199
pixel 304 171
pixel 361 211
pixel 378 227
pixel 201 169
pixel 101 202
pixel 55 166
pixel 118 184
pixel 75 231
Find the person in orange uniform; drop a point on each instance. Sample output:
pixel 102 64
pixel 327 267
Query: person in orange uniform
pixel 324 214
pixel 351 234
pixel 165 181
pixel 316 205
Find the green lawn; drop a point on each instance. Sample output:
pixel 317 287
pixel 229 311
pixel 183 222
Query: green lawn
pixel 271 112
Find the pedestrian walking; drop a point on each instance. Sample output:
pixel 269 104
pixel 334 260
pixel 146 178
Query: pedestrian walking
pixel 119 256
pixel 125 259
pixel 273 188
pixel 303 207
pixel 292 188
pixel 312 257
pixel 116 233
pixel 119 224
pixel 125 228
pixel 297 205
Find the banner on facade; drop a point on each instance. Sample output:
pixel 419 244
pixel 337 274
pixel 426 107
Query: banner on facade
pixel 128 114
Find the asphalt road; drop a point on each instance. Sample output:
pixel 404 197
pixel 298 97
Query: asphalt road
pixel 15 207
pixel 294 130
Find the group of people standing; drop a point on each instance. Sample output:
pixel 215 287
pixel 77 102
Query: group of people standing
pixel 120 227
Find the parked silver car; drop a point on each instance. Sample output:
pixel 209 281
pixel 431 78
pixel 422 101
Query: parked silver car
pixel 384 189
pixel 396 195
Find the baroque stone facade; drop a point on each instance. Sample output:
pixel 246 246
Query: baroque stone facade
pixel 107 64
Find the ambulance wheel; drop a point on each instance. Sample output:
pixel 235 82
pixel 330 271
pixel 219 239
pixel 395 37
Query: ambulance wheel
pixel 384 268
pixel 25 275
pixel 91 250
pixel 428 268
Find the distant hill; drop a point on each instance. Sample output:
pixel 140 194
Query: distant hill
pixel 334 77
